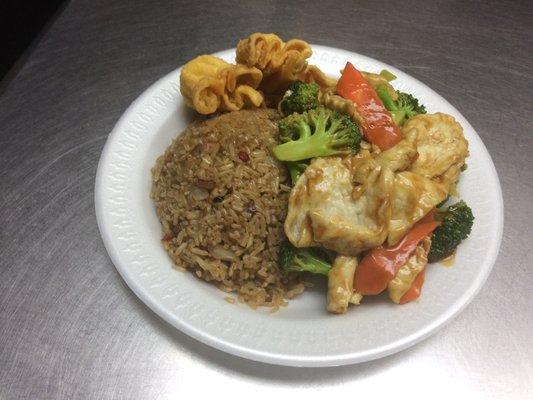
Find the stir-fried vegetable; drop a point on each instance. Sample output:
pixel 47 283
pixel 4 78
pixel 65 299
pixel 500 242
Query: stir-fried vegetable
pixel 381 264
pixel 316 133
pixel 405 107
pixel 294 259
pixel 300 97
pixel 456 225
pixel 414 291
pixel 378 126
pixel 296 168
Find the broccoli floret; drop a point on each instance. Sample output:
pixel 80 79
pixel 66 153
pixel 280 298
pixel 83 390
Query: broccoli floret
pixel 456 225
pixel 405 107
pixel 300 97
pixel 296 168
pixel 293 259
pixel 316 133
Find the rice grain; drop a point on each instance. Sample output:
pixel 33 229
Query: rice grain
pixel 221 200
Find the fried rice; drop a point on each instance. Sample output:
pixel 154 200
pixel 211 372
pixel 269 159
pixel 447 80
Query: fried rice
pixel 222 200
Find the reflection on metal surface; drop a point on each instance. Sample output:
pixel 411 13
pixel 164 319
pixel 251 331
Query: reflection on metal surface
pixel 70 328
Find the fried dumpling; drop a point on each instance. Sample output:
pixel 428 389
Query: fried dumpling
pixel 241 84
pixel 441 146
pixel 209 84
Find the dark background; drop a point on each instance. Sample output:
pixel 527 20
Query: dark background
pixel 21 22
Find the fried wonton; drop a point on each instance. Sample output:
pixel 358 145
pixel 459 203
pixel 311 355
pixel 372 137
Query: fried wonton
pixel 209 84
pixel 281 62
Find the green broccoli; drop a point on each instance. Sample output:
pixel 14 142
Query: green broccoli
pixel 402 109
pixel 300 97
pixel 316 133
pixel 456 225
pixel 296 168
pixel 293 259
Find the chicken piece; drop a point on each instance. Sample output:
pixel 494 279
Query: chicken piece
pixel 335 102
pixel 356 298
pixel 352 204
pixel 399 157
pixel 441 145
pixel 341 204
pixel 405 276
pixel 340 284
pixel 414 197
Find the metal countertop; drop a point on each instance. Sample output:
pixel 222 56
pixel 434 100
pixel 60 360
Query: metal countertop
pixel 70 327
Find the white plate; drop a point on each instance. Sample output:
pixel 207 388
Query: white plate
pixel 302 334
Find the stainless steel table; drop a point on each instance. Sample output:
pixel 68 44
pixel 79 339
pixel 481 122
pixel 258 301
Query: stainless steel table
pixel 69 326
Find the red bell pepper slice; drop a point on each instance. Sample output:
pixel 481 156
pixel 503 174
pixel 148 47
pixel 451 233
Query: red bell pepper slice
pixel 416 287
pixel 378 126
pixel 381 264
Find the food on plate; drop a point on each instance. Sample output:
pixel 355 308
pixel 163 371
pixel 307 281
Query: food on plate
pixel 401 108
pixel 209 84
pixel 382 263
pixel 281 62
pixel 408 272
pixel 340 285
pixel 328 208
pixel 377 123
pixel 221 199
pixel 293 259
pixel 440 144
pixel 299 97
pixel 269 53
pixel 347 179
pixel 319 132
pixel 456 225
